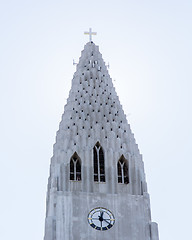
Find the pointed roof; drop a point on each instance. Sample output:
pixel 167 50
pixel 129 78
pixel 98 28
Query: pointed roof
pixel 93 111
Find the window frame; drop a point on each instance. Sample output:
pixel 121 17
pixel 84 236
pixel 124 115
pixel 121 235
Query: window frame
pixel 123 170
pixel 75 168
pixel 98 163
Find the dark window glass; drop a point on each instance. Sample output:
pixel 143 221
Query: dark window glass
pixel 99 163
pixel 95 165
pixel 75 168
pixel 122 171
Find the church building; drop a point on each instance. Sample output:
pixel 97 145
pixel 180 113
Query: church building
pixel 97 188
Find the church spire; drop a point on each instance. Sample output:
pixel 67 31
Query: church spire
pixel 97 173
pixel 94 112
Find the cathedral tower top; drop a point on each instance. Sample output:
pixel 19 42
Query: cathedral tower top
pixel 93 111
pixel 97 187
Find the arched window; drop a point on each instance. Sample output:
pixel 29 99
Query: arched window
pixel 75 168
pixel 122 170
pixel 99 163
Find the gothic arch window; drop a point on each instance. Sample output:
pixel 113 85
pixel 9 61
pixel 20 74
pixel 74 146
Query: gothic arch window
pixel 75 167
pixel 122 170
pixel 98 163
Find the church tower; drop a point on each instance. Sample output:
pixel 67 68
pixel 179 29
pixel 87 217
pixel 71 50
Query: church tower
pixel 97 188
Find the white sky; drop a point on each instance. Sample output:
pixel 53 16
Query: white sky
pixel 148 46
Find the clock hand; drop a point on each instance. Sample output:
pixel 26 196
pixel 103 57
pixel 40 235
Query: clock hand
pixel 101 213
pixel 106 221
pixel 101 217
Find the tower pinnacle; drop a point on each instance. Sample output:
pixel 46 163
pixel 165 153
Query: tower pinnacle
pixel 90 33
pixel 97 187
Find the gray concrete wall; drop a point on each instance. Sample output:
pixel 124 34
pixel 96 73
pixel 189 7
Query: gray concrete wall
pixel 132 216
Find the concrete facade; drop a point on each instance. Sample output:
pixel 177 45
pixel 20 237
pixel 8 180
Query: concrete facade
pixel 94 114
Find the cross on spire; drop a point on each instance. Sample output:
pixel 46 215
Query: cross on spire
pixel 90 33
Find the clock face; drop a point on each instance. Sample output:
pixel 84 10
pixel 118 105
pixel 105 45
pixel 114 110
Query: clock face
pixel 101 218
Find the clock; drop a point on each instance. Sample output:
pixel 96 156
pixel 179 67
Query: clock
pixel 101 219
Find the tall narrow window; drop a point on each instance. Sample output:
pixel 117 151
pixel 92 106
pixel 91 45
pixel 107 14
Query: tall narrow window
pixel 122 170
pixel 99 163
pixel 75 168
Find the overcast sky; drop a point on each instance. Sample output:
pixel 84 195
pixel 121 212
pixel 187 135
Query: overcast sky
pixel 148 46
